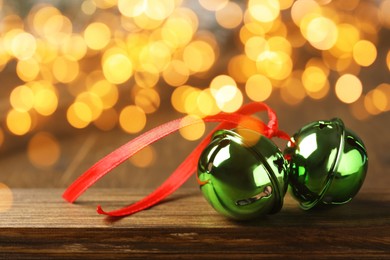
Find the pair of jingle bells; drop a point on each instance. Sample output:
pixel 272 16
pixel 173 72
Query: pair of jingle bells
pixel 244 175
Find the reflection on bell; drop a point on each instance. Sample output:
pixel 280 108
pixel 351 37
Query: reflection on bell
pixel 328 164
pixel 243 179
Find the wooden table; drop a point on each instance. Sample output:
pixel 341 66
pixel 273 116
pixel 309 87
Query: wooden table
pixel 41 225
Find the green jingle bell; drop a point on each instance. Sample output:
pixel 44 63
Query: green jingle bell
pixel 328 164
pixel 243 174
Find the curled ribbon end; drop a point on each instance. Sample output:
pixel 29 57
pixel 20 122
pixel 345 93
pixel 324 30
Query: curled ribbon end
pixel 68 197
pixel 100 211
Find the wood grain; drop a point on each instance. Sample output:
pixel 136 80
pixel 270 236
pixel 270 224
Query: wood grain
pixel 41 225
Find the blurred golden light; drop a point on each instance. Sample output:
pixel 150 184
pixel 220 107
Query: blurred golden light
pixel 79 115
pixel 285 4
pixel 348 88
pixel 320 93
pixel 179 96
pixel 388 59
pixel 65 70
pixel 74 47
pixel 229 98
pixel 23 46
pixel 384 13
pixel 364 53
pixel 358 109
pixel 1 137
pixel 385 89
pixel 107 92
pixel 18 122
pixel 88 7
pixel 45 97
pixel 156 53
pixel 302 8
pixel 27 69
pixel 369 104
pixel 230 16
pixel 321 32
pixel 279 43
pixel 144 158
pixel 97 35
pixel 176 74
pixel 198 56
pixel 177 31
pixel 132 119
pixel 93 101
pixel 220 81
pixel 213 5
pixel 191 102
pixel 240 68
pixel 146 76
pixel 117 68
pixel 105 4
pixel 256 46
pixel 131 8
pixel 195 131
pixel 147 99
pixel 258 87
pixel 264 10
pixel 348 36
pixel 145 22
pixel 107 120
pixel 159 9
pixel 43 150
pixel 7 198
pixel 292 91
pixel 22 98
pixel 314 78
pixel 206 103
pixel 274 64
pixel 41 15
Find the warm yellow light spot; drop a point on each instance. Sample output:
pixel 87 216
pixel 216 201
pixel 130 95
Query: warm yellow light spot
pixel 179 96
pixel 206 103
pixel 370 105
pixel 301 8
pixel 65 70
pixel 274 64
pixel 385 89
pixel 388 60
pixel 45 98
pixel 148 99
pixel 88 7
pixel 364 53
pixel 230 16
pixel 22 98
pixel 74 47
pixel 348 36
pixel 320 93
pixel 176 74
pixel 43 150
pixel 146 76
pixel 384 13
pixel 255 46
pixel 191 102
pixel 18 122
pixel 105 4
pixel 240 68
pixel 131 8
pixel 144 158
pixel 348 88
pixel 157 54
pixel 23 46
pixel 195 131
pixel 117 68
pixel 97 35
pixel 198 56
pixel 285 4
pixel 258 87
pixel 159 9
pixel 28 69
pixel 250 138
pixel 145 22
pixel 321 32
pixel 79 115
pixel 213 5
pixel 219 82
pixel 93 101
pixel 7 198
pixel 229 98
pixel 132 119
pixel 380 99
pixel 107 93
pixel 264 10
pixel 292 91
pixel 358 109
pixel 314 78
pixel 107 120
pixel 177 32
pixel 278 43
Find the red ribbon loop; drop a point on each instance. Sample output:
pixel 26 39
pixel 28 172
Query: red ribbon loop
pixel 240 118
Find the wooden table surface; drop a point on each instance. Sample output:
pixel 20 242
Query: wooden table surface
pixel 42 225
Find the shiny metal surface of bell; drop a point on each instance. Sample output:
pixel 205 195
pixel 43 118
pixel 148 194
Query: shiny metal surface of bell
pixel 244 179
pixel 328 164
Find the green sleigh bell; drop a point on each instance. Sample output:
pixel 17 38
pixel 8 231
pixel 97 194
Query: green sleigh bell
pixel 243 179
pixel 328 164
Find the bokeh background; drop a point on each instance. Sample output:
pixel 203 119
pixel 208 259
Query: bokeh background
pixel 80 78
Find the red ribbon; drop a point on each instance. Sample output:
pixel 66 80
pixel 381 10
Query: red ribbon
pixel 240 118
